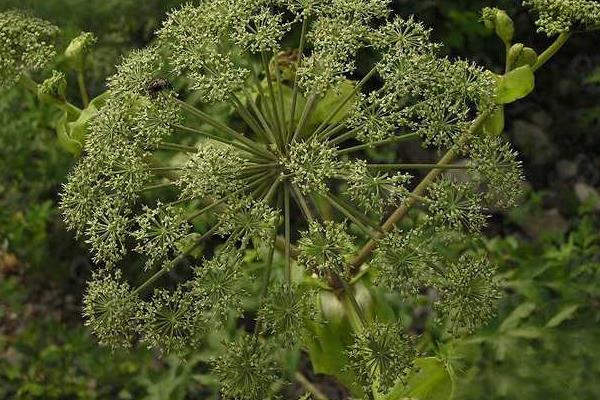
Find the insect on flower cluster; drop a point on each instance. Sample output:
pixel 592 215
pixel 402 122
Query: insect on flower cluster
pixel 294 179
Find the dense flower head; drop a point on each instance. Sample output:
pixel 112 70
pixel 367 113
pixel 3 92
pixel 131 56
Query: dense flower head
pixel 287 313
pixel 456 205
pixel 324 249
pixel 494 164
pixel 210 172
pixel 159 232
pixel 106 233
pixel 218 286
pixel 557 16
pixel 246 369
pixel 382 354
pixel 55 86
pixel 406 261
pixel 25 45
pixel 469 293
pixel 169 320
pixel 311 164
pixel 228 147
pixel 245 219
pixel 375 191
pixel 111 309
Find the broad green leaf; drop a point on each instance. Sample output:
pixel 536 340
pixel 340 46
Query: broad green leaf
pixel 328 342
pixel 331 100
pixel 63 135
pixel 430 380
pixel 71 132
pixel 515 317
pixel 515 85
pixel 563 315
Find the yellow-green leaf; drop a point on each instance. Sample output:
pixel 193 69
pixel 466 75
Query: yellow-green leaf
pixel 515 85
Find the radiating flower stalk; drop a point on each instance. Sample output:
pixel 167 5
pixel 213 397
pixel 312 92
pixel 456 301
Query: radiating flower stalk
pixel 294 175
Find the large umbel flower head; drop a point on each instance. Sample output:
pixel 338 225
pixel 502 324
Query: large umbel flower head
pixel 25 45
pixel 161 176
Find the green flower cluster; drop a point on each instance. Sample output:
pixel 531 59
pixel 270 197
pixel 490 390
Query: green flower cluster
pixel 557 16
pixel 292 176
pixel 25 45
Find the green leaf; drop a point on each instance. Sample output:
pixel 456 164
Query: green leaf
pixel 430 380
pixel 521 312
pixel 331 100
pixel 71 133
pixel 63 135
pixel 515 85
pixel 563 315
pixel 327 344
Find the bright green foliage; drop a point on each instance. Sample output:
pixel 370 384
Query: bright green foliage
pixel 546 332
pixel 557 16
pixel 25 45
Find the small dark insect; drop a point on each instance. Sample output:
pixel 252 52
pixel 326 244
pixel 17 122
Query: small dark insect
pixel 158 85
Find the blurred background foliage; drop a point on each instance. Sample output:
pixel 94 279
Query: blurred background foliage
pixel 544 342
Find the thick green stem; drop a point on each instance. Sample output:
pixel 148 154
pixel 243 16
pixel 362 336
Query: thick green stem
pixel 82 89
pixel 301 201
pixel 245 114
pixel 277 117
pixel 552 50
pixel 316 392
pixel 261 118
pixel 311 103
pixel 256 182
pixel 252 146
pixel 366 225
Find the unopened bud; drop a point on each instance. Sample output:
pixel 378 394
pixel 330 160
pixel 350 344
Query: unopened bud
pixel 78 49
